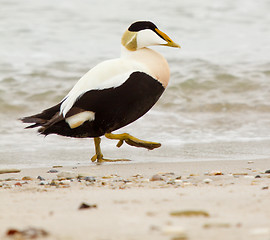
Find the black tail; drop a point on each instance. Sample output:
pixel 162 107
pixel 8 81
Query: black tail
pixel 50 121
pixel 44 119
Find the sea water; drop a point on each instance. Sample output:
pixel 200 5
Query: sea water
pixel 217 104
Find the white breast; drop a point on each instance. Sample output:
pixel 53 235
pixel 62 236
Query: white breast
pixel 154 61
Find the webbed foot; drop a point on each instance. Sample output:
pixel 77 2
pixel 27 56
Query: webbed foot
pixel 132 141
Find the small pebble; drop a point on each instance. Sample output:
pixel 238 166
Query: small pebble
pixel 265 188
pixel 52 171
pixel 27 178
pixel 65 182
pixel 18 184
pixel 249 162
pixel 110 176
pixel 43 182
pixel 193 175
pixel 257 176
pixel 207 180
pixel 89 179
pixel 267 171
pixel 87 206
pixel 215 173
pixel 54 183
pixel 156 177
pixel 138 176
pixel 41 178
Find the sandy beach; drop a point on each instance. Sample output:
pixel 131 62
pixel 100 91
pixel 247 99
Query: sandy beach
pixel 187 200
pixel 210 180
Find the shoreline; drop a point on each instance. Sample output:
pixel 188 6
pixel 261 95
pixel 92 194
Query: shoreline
pixel 188 164
pixel 65 152
pixel 213 200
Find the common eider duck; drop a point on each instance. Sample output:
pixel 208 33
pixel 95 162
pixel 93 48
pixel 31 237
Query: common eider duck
pixel 113 94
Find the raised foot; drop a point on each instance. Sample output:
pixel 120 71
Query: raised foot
pixel 132 141
pixel 101 159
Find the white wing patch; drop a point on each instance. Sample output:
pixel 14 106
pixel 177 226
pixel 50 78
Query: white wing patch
pixel 78 119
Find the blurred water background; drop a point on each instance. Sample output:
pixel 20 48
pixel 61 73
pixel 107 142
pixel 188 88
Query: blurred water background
pixel 217 105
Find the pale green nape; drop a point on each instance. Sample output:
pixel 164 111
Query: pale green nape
pixel 129 40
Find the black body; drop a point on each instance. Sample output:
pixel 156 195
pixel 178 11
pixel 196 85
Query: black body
pixel 114 108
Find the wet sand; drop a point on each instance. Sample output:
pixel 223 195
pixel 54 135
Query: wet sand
pixel 187 200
